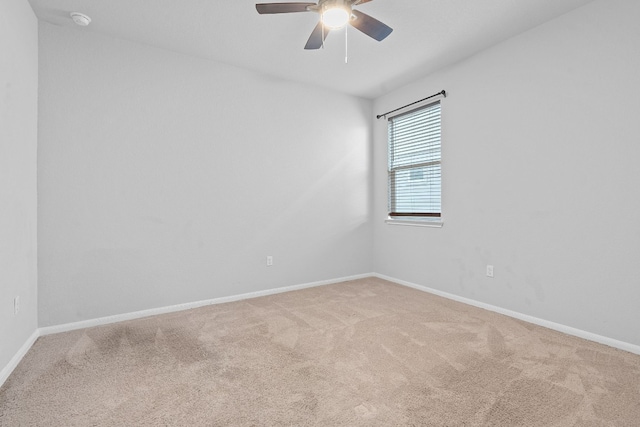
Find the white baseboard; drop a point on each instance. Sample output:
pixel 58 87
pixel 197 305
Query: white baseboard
pixel 8 369
pixel 48 330
pixel 15 360
pixel 631 348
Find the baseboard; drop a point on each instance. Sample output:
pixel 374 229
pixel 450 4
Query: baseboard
pixel 631 348
pixel 15 360
pixel 8 369
pixel 48 330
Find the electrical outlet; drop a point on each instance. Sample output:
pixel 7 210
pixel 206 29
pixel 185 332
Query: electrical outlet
pixel 489 270
pixel 269 261
pixel 16 305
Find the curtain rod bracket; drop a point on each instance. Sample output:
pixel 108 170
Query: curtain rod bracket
pixel 442 92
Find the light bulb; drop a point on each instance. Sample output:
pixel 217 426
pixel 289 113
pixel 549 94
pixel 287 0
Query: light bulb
pixel 335 17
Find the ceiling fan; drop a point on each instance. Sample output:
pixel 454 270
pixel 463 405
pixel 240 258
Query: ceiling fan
pixel 334 14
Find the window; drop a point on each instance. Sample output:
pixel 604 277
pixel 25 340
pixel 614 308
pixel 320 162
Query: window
pixel 414 164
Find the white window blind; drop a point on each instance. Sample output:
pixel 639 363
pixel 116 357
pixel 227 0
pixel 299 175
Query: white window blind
pixel 414 163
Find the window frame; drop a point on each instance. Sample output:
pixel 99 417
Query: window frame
pixel 423 219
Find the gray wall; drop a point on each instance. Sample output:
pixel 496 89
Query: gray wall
pixel 540 176
pixel 18 195
pixel 167 179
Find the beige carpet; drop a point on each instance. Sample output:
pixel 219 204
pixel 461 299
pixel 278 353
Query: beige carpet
pixel 361 353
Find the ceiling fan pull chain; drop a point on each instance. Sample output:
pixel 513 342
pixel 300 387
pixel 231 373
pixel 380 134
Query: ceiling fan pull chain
pixel 346 45
pixel 322 21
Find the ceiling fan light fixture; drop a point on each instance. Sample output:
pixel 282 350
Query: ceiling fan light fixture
pixel 336 15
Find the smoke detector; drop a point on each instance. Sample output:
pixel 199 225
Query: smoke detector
pixel 80 19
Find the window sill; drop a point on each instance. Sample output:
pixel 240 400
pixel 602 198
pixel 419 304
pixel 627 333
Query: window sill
pixel 427 222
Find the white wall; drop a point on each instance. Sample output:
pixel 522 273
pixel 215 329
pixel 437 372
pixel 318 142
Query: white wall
pixel 167 179
pixel 540 175
pixel 18 195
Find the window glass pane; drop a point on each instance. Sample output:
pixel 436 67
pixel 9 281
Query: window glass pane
pixel 417 190
pixel 414 162
pixel 415 137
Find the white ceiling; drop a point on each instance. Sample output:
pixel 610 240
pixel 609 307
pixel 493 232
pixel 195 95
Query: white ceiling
pixel 428 35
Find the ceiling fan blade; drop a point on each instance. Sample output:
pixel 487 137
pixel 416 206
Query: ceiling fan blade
pixel 315 39
pixel 370 26
pixel 269 8
pixel 356 2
